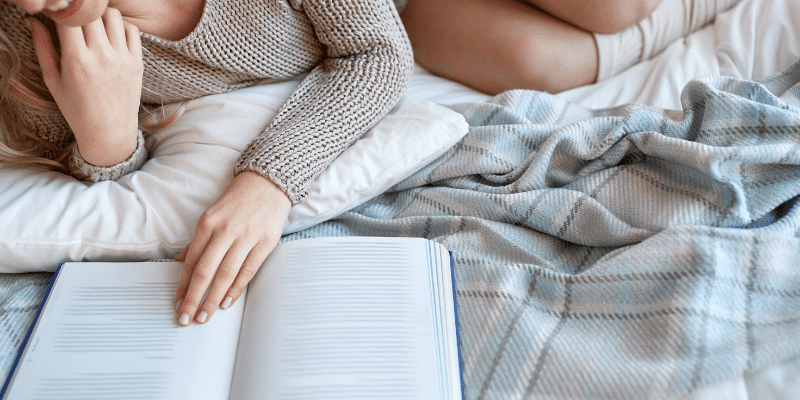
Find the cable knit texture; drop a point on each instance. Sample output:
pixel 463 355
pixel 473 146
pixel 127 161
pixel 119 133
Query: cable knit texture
pixel 355 53
pixel 92 173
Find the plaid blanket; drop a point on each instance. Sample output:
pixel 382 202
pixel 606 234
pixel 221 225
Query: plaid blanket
pixel 623 253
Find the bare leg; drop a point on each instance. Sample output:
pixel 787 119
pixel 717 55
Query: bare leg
pixel 598 16
pixel 496 45
pixel 547 45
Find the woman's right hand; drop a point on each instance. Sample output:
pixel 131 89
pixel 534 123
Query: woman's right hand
pixel 97 83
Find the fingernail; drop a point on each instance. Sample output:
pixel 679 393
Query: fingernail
pixel 184 319
pixel 227 302
pixel 202 317
pixel 178 305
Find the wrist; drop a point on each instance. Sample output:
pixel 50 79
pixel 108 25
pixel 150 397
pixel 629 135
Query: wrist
pixel 107 150
pixel 264 186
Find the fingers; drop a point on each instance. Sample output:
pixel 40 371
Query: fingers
pixel 228 278
pixel 249 269
pixel 233 238
pixel 203 273
pixel 110 29
pixel 72 40
pixel 114 28
pixel 182 255
pixel 45 51
pixel 95 33
pixel 192 254
pixel 230 267
pixel 133 40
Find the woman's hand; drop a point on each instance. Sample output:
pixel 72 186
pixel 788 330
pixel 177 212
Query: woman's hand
pixel 97 83
pixel 234 236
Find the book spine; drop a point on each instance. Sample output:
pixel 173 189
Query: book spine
pixel 458 328
pixel 30 333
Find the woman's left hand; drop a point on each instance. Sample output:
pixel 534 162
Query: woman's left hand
pixel 233 237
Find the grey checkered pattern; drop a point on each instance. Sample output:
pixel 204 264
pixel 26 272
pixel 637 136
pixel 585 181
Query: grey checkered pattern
pixel 20 296
pixel 625 253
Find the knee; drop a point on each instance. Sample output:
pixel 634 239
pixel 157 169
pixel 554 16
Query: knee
pixel 549 67
pixel 611 16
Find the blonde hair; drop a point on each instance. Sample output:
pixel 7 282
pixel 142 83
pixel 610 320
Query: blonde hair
pixel 20 87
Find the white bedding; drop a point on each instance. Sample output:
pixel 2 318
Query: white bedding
pixel 47 217
pixel 755 39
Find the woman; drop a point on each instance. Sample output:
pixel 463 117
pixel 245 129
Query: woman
pixel 74 76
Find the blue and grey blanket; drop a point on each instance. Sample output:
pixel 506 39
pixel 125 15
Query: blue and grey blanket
pixel 623 253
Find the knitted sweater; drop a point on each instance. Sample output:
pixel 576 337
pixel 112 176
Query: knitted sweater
pixel 355 53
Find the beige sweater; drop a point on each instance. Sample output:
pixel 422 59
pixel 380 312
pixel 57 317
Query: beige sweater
pixel 355 53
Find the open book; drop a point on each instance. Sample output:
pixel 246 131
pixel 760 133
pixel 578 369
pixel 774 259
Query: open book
pixel 332 318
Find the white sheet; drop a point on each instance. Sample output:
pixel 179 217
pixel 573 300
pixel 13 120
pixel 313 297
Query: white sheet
pixel 47 217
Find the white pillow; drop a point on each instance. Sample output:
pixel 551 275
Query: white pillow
pixel 48 217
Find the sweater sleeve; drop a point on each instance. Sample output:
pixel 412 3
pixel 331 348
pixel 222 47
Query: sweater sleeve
pixel 367 67
pixel 82 170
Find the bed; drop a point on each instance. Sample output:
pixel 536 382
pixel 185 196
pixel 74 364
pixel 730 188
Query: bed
pixel 632 239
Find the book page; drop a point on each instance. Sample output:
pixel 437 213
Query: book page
pixel 345 318
pixel 108 331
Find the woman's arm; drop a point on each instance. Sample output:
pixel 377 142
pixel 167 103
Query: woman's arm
pixel 96 82
pixel 368 66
